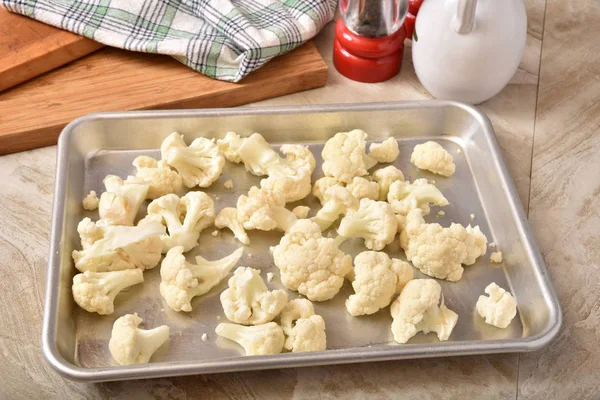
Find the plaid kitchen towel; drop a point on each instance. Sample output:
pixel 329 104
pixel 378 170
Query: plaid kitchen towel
pixel 223 39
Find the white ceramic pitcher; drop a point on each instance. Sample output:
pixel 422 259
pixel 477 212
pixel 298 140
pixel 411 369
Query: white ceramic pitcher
pixel 468 50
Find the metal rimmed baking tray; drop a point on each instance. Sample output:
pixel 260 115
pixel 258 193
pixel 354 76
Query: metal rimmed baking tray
pixel 75 342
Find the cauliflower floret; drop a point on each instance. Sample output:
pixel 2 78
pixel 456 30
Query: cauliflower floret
pixel 291 175
pixel 304 330
pixel 374 221
pixel 122 247
pixel 309 263
pixel 362 188
pixel 377 279
pixel 308 334
pixel 322 185
pixel 256 340
pixel 301 212
pixel 404 196
pixel 344 156
pixel 185 218
pixel 90 202
pixel 496 257
pixel 90 232
pixel 338 201
pixel 254 151
pixel 294 310
pixel 181 281
pixel 417 309
pixel 385 152
pixel 433 157
pixel 228 218
pixel 163 180
pixel 96 291
pixel 200 164
pixel 499 308
pixel 229 146
pixel 131 345
pixel 438 251
pixel 247 301
pixel 265 210
pixel 385 177
pixel 122 199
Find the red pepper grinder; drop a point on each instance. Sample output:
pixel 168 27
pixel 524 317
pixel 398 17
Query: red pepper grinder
pixel 369 39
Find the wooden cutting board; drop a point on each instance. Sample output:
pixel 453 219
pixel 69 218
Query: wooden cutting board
pixel 33 113
pixel 29 48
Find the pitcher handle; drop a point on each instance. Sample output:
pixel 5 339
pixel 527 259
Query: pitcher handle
pixel 464 20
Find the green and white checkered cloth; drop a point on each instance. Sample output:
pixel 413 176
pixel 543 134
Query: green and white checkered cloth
pixel 222 39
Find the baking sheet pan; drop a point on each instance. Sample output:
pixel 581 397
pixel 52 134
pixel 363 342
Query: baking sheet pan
pixel 76 342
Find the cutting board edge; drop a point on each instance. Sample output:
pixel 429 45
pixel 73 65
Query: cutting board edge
pixel 48 136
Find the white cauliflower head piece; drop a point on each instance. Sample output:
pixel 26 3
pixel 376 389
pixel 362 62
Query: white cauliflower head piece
pixel 230 145
pixel 184 218
pixel 120 203
pixel 321 186
pixel 337 201
pixel 344 156
pixel 254 151
pixel 362 188
pixel 181 281
pixel 163 180
pixel 385 152
pixel 309 263
pixel 131 345
pixel 294 310
pixel 304 330
pixel 96 291
pixel 377 279
pixel 199 164
pixel 385 177
pixel 308 334
pixel 438 251
pixel 433 157
pixel 256 340
pixel 291 175
pixel 247 301
pixel 404 196
pixel 265 210
pixel 90 232
pixel 418 309
pixel 228 218
pixel 374 221
pixel 91 201
pixel 499 308
pixel 121 247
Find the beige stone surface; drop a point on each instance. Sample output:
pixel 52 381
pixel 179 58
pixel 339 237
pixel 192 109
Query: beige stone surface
pixel 564 204
pixel 565 200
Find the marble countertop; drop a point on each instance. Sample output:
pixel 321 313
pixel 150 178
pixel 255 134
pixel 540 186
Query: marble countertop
pixel 548 124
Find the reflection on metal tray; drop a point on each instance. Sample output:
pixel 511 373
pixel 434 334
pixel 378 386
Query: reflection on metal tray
pixel 75 342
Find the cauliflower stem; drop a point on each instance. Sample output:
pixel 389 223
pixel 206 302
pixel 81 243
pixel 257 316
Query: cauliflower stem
pixel 227 218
